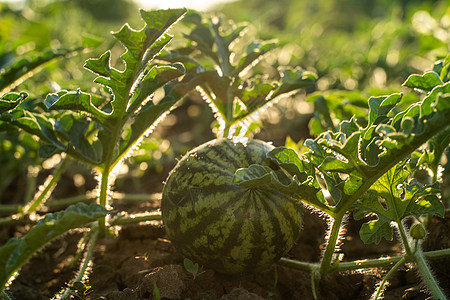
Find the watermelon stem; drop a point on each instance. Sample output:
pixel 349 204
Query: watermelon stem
pixel 362 264
pixel 382 284
pixel 332 240
pixel 135 218
pixel 86 262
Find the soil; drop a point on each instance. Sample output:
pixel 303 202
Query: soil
pixel 139 262
pixel 140 258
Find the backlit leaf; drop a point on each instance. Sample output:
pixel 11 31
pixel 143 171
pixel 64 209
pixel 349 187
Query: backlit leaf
pixel 17 251
pixel 425 82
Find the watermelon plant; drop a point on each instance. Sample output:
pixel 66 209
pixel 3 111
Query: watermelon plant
pixel 365 167
pixel 233 204
pixel 229 78
pixel 98 129
pixel 361 166
pixel 104 127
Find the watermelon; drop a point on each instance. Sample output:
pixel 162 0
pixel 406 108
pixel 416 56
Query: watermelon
pixel 222 225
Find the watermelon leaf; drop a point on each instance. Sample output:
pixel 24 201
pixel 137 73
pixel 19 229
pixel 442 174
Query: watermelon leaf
pixel 130 102
pixel 425 82
pixel 18 250
pixel 20 69
pixel 37 124
pixel 279 179
pixel 227 78
pixel 78 101
pixel 394 204
pixel 10 101
pixel 347 162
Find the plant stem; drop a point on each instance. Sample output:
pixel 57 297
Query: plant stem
pixel 31 183
pixel 435 254
pixel 10 208
pixel 313 284
pixel 128 219
pixel 332 240
pixel 103 198
pixel 427 276
pixel 362 264
pixel 404 237
pixel 50 185
pixel 14 219
pixel 391 271
pixel 85 264
pixel 295 264
pixel 5 296
pixel 91 197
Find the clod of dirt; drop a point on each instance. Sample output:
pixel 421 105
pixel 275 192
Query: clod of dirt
pixel 168 280
pixel 241 294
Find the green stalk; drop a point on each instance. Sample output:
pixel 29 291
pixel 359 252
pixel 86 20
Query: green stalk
pixel 327 257
pixel 313 284
pixel 49 186
pixel 427 275
pixel 91 197
pixel 391 271
pixel 404 237
pixel 31 183
pixel 362 264
pixel 10 208
pixel 5 296
pixel 85 264
pixel 129 219
pixel 13 220
pixel 103 198
pixel 299 265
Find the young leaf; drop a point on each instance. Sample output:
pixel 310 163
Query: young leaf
pixel 76 131
pixel 78 101
pixel 10 101
pixel 426 82
pixel 142 46
pixel 17 251
pixel 36 124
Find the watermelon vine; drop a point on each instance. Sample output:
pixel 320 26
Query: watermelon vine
pixel 234 204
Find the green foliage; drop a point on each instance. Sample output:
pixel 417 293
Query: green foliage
pixel 351 45
pixel 14 73
pixel 10 101
pixel 228 78
pixel 130 91
pixel 17 251
pixel 364 153
pixel 192 267
pixel 363 156
pixel 81 290
pixel 89 126
pixel 391 199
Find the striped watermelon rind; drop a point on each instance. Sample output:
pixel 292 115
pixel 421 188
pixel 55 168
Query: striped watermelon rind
pixel 220 224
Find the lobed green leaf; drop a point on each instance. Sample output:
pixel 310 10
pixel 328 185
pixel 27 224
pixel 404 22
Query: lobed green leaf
pixel 426 82
pixel 17 251
pixel 19 70
pixel 392 200
pixel 10 101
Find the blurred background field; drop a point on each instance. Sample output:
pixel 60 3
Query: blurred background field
pixel 356 47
